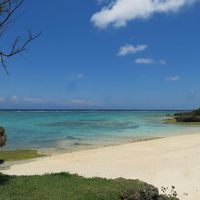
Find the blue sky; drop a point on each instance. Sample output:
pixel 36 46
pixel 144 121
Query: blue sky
pixel 129 54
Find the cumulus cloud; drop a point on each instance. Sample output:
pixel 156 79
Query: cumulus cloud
pixel 149 61
pixel 128 48
pixel 119 12
pixel 173 78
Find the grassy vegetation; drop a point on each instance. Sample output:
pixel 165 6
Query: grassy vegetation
pixel 172 120
pixel 64 186
pixel 20 154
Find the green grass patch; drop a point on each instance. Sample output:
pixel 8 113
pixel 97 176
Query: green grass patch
pixel 64 186
pixel 20 154
pixel 173 121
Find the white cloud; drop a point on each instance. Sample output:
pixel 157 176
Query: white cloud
pixel 119 12
pixel 149 61
pixel 33 100
pixel 80 76
pixel 2 99
pixel 173 78
pixel 128 48
pixel 162 62
pixel 102 1
pixel 146 61
pixel 40 101
pixel 30 100
pixel 15 99
pixel 82 102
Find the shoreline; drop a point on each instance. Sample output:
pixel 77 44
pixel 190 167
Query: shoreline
pixel 120 141
pixel 174 160
pixel 51 153
pixel 86 147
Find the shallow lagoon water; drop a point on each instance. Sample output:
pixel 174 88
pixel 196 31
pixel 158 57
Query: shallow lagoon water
pixel 72 130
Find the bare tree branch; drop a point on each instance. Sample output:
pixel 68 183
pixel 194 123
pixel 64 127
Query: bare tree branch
pixel 8 9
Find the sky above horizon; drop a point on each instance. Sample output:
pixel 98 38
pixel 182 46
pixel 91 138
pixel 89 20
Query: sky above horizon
pixel 121 54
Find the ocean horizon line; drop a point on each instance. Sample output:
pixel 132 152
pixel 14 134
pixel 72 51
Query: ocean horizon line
pixel 91 110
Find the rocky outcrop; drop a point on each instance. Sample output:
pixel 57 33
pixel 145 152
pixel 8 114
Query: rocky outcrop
pixel 188 119
pixel 193 116
pixel 3 137
pixel 185 114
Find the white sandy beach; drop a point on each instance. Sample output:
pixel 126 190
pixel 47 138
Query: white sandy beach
pixel 162 162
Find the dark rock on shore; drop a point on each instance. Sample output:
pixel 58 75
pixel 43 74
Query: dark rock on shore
pixel 3 137
pixel 188 119
pixel 193 116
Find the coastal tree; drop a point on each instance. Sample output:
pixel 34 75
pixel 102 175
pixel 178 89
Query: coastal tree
pixel 8 11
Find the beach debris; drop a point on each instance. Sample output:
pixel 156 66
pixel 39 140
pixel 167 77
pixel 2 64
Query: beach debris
pixel 172 194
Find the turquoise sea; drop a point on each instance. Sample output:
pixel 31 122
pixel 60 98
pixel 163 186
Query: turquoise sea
pixel 73 130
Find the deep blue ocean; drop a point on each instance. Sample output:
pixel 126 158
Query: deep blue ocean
pixel 72 130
